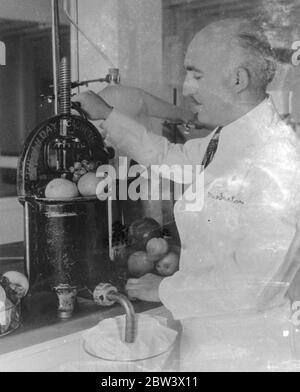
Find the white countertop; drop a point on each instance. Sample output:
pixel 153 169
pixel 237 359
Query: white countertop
pixel 56 353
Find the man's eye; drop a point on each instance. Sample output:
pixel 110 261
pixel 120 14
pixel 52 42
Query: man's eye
pixel 197 77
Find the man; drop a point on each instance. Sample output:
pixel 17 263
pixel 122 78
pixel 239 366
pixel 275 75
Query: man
pixel 233 247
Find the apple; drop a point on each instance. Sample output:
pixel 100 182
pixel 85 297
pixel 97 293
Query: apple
pixel 157 248
pixel 141 231
pixel 168 265
pixel 17 283
pixel 139 264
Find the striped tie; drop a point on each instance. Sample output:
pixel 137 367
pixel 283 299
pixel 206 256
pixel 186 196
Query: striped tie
pixel 211 148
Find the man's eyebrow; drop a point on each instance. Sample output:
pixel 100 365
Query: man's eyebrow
pixel 192 68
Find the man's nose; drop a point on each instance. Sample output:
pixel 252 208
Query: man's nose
pixel 189 86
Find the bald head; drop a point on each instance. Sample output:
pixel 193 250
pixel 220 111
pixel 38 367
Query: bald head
pixel 237 43
pixel 229 65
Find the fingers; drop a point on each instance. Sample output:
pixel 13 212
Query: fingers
pixel 134 287
pixel 132 290
pixel 145 288
pixel 133 281
pixel 82 96
pixel 80 100
pixel 90 103
pixel 95 107
pixel 132 284
pixel 144 281
pixel 86 98
pixel 133 295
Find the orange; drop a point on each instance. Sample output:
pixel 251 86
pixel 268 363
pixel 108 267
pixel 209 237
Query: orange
pixel 61 188
pixel 87 185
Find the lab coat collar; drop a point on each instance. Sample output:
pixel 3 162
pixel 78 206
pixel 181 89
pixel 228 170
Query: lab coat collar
pixel 241 140
pixel 257 120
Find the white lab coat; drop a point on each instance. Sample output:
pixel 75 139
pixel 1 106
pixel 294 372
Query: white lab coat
pixel 233 247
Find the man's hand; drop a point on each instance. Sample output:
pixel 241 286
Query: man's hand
pixel 145 288
pixel 94 106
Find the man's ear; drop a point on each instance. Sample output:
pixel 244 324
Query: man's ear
pixel 241 79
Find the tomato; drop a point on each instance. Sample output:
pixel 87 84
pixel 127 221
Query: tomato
pixel 139 264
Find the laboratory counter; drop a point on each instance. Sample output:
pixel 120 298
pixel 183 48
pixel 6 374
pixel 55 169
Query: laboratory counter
pixel 39 312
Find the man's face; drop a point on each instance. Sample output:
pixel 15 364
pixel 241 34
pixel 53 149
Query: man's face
pixel 206 85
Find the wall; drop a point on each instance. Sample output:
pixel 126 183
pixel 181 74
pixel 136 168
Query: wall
pixel 11 97
pixel 182 19
pixel 99 21
pixel 11 224
pixel 26 10
pixel 130 31
pixel 29 64
pixel 140 44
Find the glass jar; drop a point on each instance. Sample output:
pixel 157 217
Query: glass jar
pixel 10 318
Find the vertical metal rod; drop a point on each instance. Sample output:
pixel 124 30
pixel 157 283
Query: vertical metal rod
pixel 65 160
pixel 55 50
pixel 174 96
pixel 110 228
pixel 27 240
pixel 77 46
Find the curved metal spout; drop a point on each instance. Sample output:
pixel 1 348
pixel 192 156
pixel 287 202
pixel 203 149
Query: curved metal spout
pixel 130 327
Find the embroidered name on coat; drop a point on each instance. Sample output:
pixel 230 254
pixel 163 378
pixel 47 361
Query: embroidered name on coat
pixel 229 199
